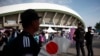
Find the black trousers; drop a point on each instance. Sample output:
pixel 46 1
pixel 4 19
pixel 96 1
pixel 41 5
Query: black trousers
pixel 1 53
pixel 80 46
pixel 89 49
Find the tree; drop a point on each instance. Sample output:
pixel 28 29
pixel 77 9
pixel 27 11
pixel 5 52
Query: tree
pixel 97 26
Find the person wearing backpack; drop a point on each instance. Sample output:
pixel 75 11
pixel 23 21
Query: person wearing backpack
pixel 79 38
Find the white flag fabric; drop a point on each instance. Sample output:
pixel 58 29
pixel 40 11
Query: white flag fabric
pixel 55 46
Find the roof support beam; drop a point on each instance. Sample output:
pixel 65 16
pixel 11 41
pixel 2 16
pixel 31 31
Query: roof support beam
pixel 54 17
pixel 3 20
pixel 73 22
pixel 61 21
pixel 18 20
pixel 67 22
pixel 45 13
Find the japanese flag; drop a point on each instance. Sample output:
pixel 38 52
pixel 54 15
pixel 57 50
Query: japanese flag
pixel 55 47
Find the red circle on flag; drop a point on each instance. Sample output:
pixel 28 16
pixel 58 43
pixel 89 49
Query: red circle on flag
pixel 52 48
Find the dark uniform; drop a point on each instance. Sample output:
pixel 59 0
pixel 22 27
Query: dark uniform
pixel 89 39
pixel 79 38
pixel 23 45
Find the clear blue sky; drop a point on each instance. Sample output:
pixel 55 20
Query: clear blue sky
pixel 89 10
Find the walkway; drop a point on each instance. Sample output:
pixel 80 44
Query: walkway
pixel 72 51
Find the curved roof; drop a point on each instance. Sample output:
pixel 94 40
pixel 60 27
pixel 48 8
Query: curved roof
pixel 39 6
pixel 18 7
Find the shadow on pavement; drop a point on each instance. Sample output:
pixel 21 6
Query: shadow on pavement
pixel 71 54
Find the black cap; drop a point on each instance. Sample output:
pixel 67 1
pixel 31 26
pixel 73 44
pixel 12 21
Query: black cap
pixel 79 24
pixel 90 27
pixel 28 16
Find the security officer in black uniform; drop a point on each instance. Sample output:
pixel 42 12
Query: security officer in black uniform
pixel 25 44
pixel 89 40
pixel 79 38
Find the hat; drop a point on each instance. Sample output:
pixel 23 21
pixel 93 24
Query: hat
pixel 28 16
pixel 90 27
pixel 79 24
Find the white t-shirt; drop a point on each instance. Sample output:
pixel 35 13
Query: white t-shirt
pixel 47 35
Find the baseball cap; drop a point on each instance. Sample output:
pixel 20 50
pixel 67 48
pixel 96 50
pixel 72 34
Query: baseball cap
pixel 90 27
pixel 28 16
pixel 79 24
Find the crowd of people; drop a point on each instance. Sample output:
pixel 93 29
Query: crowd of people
pixel 6 36
pixel 28 42
pixel 41 37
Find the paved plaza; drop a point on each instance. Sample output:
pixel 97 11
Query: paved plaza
pixel 72 51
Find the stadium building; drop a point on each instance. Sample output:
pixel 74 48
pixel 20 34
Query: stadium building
pixel 56 16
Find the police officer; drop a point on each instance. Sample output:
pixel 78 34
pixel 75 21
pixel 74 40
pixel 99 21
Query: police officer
pixel 89 39
pixel 79 38
pixel 25 44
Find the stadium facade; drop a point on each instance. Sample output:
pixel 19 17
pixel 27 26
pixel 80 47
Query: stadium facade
pixel 53 15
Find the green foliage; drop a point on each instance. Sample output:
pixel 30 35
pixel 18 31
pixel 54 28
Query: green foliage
pixel 97 26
